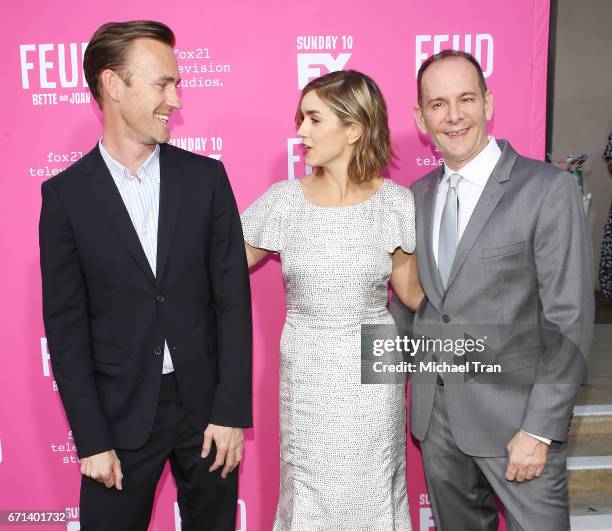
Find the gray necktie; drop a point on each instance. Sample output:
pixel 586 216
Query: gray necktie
pixel 449 230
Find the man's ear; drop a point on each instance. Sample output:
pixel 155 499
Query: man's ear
pixel 420 119
pixel 488 105
pixel 109 82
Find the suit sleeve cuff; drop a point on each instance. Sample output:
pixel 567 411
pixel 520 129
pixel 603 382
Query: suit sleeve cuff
pixel 543 439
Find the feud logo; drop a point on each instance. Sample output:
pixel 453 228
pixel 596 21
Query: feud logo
pixel 426 520
pixel 46 360
pixel 480 45
pixel 321 54
pixel 294 159
pixel 44 351
pixel 52 66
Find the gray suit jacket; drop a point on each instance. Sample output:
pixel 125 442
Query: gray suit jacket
pixel 522 278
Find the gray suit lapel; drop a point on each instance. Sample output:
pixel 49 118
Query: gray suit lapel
pixel 429 273
pixel 491 196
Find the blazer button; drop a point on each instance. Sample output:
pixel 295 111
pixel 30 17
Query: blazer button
pixel 160 298
pixel 446 318
pixel 158 351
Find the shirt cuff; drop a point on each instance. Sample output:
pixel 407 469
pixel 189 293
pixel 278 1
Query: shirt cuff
pixel 543 439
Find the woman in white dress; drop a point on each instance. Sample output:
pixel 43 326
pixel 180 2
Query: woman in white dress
pixel 342 233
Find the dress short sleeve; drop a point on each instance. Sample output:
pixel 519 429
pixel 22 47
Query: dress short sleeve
pixel 398 219
pixel 263 221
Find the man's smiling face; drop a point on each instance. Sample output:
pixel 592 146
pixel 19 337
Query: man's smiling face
pixel 454 111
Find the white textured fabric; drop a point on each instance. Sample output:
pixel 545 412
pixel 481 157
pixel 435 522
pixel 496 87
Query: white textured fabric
pixel 343 443
pixel 140 194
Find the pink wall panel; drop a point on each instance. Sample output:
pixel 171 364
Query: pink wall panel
pixel 243 63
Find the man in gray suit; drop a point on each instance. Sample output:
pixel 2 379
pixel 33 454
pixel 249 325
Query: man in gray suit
pixel 504 257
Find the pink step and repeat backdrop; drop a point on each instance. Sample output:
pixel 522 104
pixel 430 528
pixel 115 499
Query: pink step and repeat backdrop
pixel 243 64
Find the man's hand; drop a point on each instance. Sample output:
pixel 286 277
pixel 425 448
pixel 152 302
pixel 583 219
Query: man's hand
pixel 229 443
pixel 104 468
pixel 526 457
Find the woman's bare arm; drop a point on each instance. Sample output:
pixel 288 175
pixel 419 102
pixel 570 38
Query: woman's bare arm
pixel 254 255
pixel 405 279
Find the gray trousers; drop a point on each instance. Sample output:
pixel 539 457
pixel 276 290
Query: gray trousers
pixel 461 486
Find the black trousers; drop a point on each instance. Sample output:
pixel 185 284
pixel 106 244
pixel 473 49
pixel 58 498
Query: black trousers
pixel 206 500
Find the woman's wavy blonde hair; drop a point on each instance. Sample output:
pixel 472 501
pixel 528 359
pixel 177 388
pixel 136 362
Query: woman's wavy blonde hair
pixel 356 99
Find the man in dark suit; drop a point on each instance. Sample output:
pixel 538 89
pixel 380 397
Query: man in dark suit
pixel 503 256
pixel 146 299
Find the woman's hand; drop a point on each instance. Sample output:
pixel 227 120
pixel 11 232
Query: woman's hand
pixel 405 279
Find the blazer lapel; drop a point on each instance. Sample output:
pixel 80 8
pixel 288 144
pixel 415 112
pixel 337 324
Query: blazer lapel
pixel 430 269
pixel 105 191
pixel 490 197
pixel 170 194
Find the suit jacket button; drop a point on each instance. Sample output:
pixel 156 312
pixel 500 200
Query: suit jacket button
pixel 160 298
pixel 446 318
pixel 158 351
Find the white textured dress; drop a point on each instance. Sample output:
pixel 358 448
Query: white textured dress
pixel 343 443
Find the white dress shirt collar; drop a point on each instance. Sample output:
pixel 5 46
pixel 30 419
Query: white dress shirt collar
pixel 146 169
pixel 478 170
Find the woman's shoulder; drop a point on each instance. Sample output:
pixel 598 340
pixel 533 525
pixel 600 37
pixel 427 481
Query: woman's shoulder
pixel 279 192
pixel 283 187
pixel 264 221
pixel 396 193
pixel 398 214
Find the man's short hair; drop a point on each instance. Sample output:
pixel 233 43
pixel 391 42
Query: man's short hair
pixel 109 45
pixel 444 54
